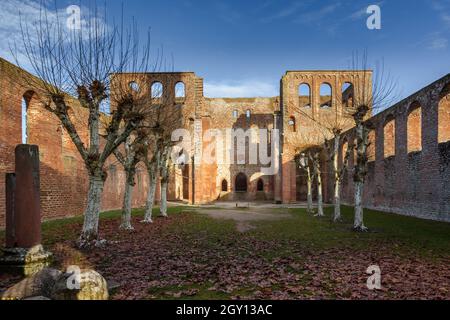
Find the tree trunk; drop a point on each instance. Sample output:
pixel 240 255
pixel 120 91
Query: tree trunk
pixel 152 177
pixel 362 134
pixel 359 221
pixel 309 186
pixel 337 180
pixel 319 194
pixel 163 205
pixel 126 209
pixel 89 232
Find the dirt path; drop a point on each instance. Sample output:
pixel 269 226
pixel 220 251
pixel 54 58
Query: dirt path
pixel 244 217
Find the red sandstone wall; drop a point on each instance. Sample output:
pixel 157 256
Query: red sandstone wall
pixel 63 177
pixel 413 181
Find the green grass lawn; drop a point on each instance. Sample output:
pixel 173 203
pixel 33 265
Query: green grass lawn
pixel 207 258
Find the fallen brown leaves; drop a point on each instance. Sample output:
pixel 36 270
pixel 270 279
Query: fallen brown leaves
pixel 157 261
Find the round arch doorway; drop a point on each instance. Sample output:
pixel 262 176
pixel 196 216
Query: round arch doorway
pixel 241 184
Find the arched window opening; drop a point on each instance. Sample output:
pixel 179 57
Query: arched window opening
pixel 292 124
pixel 224 185
pixel 389 137
pixel 180 90
pixel 235 114
pixel 347 95
pixel 326 93
pixel 24 120
pixel 241 183
pixel 304 93
pixel 248 114
pixel 157 90
pixel 414 128
pixel 444 115
pixel 134 86
pixel 260 185
pixel 25 108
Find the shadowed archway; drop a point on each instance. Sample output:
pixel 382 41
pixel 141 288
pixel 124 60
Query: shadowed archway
pixel 241 184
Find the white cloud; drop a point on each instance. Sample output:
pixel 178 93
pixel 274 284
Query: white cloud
pixel 283 13
pixel 318 15
pixel 434 41
pixel 27 13
pixel 438 43
pixel 241 89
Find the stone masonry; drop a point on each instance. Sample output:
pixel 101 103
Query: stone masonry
pixel 413 178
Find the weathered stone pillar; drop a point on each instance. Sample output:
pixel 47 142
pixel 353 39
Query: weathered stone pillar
pixel 27 207
pixel 23 250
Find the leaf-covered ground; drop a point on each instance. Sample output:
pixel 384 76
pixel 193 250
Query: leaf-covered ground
pixel 193 256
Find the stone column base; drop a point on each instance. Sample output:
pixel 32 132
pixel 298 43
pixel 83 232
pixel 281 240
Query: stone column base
pixel 23 261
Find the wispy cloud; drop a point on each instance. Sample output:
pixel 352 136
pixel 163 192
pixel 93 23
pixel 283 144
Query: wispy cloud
pixel 434 41
pixel 27 13
pixel 439 40
pixel 284 12
pixel 241 89
pixel 317 16
pixel 443 10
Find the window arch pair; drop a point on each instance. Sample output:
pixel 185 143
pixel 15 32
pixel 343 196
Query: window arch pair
pixel 326 93
pixel 157 90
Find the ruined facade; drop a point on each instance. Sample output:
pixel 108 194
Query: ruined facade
pixel 408 173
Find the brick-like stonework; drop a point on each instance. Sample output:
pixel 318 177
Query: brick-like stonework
pixel 413 180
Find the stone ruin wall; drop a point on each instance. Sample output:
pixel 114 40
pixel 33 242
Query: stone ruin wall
pixel 415 183
pixel 409 156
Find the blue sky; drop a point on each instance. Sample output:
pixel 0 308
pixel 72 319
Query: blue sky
pixel 242 48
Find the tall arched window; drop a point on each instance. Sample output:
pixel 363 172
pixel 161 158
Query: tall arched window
pixel 326 93
pixel 25 108
pixel 389 137
pixel 347 95
pixel 24 120
pixel 444 115
pixel 157 90
pixel 224 185
pixel 248 114
pixel 304 93
pixel 414 128
pixel 235 114
pixel 180 90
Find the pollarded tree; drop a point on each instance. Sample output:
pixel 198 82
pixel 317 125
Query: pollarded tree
pixel 307 145
pixel 375 91
pixel 73 69
pixel 376 94
pixel 165 117
pixel 129 159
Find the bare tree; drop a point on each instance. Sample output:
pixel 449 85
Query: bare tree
pixel 133 147
pixel 303 163
pixel 332 147
pixel 375 94
pixel 165 118
pixel 314 156
pixel 308 149
pixel 372 95
pixel 73 69
pixel 150 157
